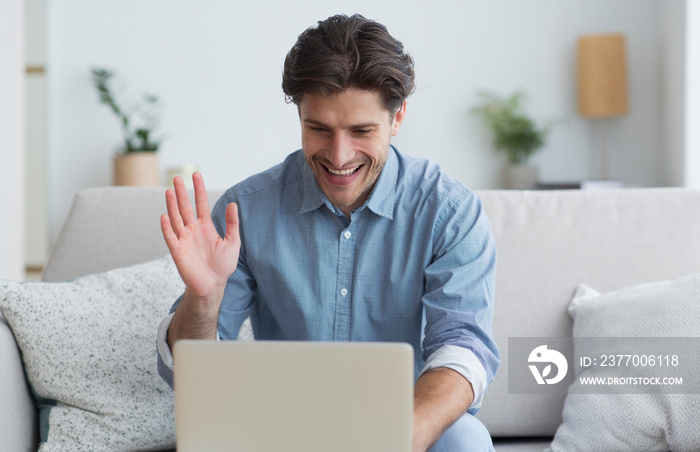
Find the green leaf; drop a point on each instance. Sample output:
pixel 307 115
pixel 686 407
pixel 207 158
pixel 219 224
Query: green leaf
pixel 138 139
pixel 514 133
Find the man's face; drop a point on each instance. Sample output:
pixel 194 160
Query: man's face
pixel 345 139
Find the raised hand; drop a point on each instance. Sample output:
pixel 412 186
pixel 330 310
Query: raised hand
pixel 203 258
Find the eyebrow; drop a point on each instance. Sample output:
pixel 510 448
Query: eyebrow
pixel 355 126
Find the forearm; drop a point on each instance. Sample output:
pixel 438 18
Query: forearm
pixel 441 397
pixel 195 318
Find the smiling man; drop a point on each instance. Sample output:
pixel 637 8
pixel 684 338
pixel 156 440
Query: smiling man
pixel 346 140
pixel 348 239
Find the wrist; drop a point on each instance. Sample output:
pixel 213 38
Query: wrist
pixel 195 317
pixel 204 302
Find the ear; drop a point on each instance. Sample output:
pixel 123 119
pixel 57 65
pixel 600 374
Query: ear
pixel 398 119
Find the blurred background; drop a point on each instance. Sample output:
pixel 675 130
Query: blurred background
pixel 216 67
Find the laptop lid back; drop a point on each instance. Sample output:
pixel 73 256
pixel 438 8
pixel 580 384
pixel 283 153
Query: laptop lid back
pixel 293 396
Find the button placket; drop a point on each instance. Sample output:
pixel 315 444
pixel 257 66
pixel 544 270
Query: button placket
pixel 343 299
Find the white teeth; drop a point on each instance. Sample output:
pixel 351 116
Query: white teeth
pixel 342 172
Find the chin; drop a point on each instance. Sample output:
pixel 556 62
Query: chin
pixel 342 203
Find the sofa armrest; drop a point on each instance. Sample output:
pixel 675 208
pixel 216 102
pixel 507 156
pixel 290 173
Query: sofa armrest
pixel 18 417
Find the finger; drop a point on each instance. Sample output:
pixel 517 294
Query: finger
pixel 168 234
pixel 232 222
pixel 183 201
pixel 200 196
pixel 174 217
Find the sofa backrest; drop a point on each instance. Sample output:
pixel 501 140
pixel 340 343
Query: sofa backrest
pixel 548 243
pixel 110 227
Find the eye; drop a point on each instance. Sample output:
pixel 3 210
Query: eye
pixel 317 129
pixel 362 131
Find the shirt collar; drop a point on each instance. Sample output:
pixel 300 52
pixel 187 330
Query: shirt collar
pixel 381 200
pixel 313 197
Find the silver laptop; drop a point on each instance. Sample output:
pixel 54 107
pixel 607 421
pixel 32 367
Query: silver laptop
pixel 293 396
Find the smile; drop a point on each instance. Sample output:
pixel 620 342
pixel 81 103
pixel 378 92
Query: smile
pixel 345 172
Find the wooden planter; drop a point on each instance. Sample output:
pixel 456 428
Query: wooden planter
pixel 520 177
pixel 137 168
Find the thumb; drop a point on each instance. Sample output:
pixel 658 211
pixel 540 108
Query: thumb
pixel 232 222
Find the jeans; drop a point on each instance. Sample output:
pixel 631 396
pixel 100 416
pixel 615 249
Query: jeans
pixel 466 435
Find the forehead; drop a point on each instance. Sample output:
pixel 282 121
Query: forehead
pixel 347 107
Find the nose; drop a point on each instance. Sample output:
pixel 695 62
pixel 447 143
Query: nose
pixel 341 152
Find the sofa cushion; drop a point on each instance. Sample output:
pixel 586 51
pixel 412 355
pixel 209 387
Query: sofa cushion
pixel 615 421
pixel 89 351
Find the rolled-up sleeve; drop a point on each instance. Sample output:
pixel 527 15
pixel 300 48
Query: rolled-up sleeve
pixel 165 356
pixel 459 296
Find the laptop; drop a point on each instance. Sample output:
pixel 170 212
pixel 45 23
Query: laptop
pixel 269 396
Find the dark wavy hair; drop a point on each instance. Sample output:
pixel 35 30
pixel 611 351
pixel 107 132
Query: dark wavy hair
pixel 343 52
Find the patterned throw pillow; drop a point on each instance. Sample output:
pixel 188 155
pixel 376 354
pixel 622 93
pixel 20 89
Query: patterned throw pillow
pixel 89 351
pixel 632 422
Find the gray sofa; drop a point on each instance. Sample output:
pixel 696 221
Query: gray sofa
pixel 549 242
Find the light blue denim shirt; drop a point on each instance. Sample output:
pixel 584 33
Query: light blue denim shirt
pixel 414 264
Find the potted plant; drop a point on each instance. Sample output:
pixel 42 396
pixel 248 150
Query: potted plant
pixel 514 133
pixel 136 161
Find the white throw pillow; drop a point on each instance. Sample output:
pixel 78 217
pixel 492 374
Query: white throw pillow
pixel 89 351
pixel 632 422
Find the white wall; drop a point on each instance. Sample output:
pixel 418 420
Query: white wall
pixel 12 139
pixel 671 156
pixel 692 106
pixel 217 65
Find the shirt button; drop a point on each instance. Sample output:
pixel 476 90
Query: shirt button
pixel 344 292
pixel 347 234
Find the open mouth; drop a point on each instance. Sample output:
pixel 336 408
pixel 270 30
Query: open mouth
pixel 342 173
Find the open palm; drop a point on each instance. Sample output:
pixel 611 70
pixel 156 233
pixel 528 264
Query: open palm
pixel 203 258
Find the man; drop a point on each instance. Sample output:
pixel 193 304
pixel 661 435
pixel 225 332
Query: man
pixel 348 239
